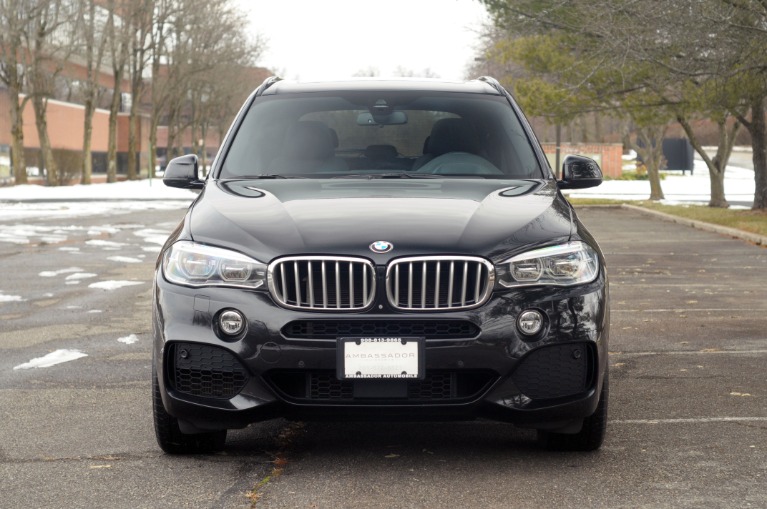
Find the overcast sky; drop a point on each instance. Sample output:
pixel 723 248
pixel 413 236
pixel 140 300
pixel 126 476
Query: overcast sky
pixel 325 39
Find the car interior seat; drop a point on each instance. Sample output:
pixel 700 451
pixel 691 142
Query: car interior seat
pixel 308 147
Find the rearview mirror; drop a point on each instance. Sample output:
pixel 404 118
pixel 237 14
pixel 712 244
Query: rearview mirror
pixel 579 172
pixel 393 118
pixel 183 172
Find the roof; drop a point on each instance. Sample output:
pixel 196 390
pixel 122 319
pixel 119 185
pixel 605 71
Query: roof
pixel 387 84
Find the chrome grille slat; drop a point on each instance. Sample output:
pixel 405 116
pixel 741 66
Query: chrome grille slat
pixel 324 287
pixel 351 286
pixel 410 287
pixel 310 280
pixel 322 283
pixel 420 287
pixel 338 287
pixel 463 284
pixel 297 279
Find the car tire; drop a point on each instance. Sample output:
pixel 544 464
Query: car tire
pixel 591 435
pixel 169 435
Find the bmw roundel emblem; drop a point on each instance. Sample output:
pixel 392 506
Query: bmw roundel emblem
pixel 381 246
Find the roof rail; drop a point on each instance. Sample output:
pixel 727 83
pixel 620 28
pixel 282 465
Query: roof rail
pixel 268 82
pixel 493 83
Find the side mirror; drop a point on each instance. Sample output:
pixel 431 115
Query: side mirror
pixel 579 172
pixel 183 172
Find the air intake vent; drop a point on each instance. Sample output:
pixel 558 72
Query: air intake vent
pixel 322 283
pixel 206 371
pixel 332 329
pixel 429 283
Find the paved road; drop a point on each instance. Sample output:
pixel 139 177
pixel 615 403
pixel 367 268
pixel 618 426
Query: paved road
pixel 688 416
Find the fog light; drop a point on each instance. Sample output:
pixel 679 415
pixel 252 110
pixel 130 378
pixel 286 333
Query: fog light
pixel 530 322
pixel 232 322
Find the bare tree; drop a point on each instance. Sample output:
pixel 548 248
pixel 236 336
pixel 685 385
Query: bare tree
pixel 16 18
pixel 651 46
pixel 191 52
pixel 118 39
pixel 93 30
pixel 140 15
pixel 50 43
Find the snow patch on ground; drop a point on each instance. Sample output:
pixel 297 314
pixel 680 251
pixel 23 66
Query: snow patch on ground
pixel 153 236
pixel 113 285
pixel 678 189
pixel 100 230
pixel 80 275
pixel 29 210
pixel 128 190
pixel 22 234
pixel 105 243
pixel 53 358
pixel 128 340
pixel 124 259
pixel 11 298
pixel 54 273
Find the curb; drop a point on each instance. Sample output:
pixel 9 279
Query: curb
pixel 759 240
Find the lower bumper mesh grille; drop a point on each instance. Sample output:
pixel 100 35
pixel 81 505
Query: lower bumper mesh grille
pixel 205 371
pixel 332 329
pixel 555 371
pixel 437 386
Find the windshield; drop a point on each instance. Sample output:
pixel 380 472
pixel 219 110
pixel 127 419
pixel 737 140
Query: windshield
pixel 381 135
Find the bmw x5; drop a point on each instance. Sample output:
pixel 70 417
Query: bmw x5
pixel 380 249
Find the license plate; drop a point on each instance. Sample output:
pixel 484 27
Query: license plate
pixel 380 357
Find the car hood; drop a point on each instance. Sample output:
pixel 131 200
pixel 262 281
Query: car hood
pixel 270 218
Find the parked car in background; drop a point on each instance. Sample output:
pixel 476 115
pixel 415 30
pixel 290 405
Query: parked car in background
pixel 380 249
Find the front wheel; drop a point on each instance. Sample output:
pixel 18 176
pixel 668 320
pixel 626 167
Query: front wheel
pixel 591 435
pixel 172 440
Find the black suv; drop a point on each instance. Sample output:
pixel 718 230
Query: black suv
pixel 380 249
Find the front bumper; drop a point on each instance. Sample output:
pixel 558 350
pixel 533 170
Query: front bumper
pixel 477 363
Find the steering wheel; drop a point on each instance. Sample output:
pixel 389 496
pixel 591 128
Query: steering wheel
pixel 459 163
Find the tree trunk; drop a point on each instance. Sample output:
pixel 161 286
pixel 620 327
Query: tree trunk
pixel 136 88
pixel 153 144
pixel 758 130
pixel 18 161
pixel 87 168
pixel 114 110
pixel 718 164
pixel 651 151
pixel 46 153
pixel 759 144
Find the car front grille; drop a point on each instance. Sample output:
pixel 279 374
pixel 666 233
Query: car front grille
pixel 205 371
pixel 439 283
pixel 437 386
pixel 328 283
pixel 333 329
pixel 555 371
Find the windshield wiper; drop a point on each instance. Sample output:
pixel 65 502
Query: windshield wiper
pixel 266 176
pixel 371 176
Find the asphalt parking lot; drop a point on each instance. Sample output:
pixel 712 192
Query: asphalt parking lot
pixel 688 412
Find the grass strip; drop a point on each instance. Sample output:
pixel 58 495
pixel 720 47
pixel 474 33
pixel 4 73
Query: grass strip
pixel 752 221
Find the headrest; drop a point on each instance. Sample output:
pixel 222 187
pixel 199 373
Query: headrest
pixel 309 139
pixel 381 152
pixel 452 135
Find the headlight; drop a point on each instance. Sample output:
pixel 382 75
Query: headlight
pixel 568 264
pixel 191 264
